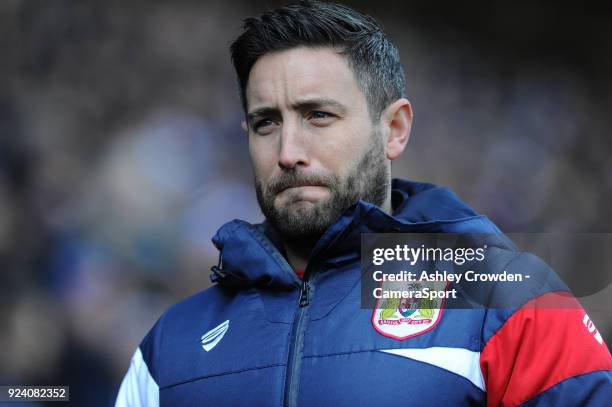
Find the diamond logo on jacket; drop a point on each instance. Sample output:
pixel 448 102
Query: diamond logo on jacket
pixel 211 338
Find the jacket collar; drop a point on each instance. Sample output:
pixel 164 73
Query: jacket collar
pixel 251 255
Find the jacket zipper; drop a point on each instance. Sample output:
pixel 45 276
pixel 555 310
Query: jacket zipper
pixel 296 339
pixel 296 345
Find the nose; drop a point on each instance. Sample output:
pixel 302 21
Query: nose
pixel 293 151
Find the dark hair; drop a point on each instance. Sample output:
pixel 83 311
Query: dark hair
pixel 371 56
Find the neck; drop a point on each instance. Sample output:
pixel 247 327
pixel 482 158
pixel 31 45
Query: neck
pixel 298 256
pixel 386 206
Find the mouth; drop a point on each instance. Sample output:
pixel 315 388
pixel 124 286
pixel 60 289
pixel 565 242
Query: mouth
pixel 300 185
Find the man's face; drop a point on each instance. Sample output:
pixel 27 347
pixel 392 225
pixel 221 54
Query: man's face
pixel 314 148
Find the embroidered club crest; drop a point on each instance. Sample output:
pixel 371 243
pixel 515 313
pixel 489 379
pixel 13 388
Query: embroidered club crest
pixel 403 318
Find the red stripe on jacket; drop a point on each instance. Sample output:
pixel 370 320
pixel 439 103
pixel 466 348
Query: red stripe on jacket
pixel 546 341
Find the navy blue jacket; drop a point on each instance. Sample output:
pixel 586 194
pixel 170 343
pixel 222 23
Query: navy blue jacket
pixel 261 336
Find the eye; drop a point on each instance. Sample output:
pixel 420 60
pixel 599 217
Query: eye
pixel 264 126
pixel 317 114
pixel 320 118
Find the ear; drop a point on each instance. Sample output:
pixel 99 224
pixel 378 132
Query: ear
pixel 397 117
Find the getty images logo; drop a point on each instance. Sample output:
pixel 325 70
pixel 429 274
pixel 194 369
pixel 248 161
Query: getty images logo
pixel 211 338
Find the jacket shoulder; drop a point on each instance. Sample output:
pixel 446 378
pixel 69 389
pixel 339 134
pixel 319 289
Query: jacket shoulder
pixel 178 321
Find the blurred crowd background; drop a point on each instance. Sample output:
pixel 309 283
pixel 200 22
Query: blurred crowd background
pixel 121 153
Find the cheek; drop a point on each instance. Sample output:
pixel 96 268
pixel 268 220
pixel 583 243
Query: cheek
pixel 262 161
pixel 341 152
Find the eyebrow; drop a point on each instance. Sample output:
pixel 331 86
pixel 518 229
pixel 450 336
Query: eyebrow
pixel 303 105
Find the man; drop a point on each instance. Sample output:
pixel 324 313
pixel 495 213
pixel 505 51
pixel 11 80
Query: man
pixel 323 94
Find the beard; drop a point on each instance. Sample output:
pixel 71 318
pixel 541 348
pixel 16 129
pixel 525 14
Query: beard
pixel 302 225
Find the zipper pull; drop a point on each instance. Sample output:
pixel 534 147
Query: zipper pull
pixel 217 271
pixel 304 300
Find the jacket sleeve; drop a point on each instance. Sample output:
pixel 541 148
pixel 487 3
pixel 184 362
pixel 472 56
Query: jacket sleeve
pixel 138 388
pixel 547 352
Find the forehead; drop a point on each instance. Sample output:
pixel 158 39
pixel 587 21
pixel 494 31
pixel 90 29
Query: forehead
pixel 288 76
